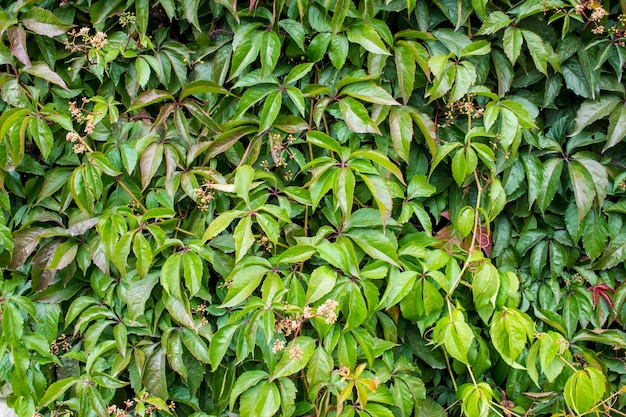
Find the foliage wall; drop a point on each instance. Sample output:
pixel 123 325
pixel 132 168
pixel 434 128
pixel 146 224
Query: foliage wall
pixel 371 208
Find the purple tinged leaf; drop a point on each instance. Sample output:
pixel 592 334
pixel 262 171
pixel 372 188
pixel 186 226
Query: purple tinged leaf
pixel 17 39
pixel 42 70
pixel 43 22
pixel 149 97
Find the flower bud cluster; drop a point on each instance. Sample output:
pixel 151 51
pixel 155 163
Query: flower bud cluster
pixel 288 326
pixel 82 41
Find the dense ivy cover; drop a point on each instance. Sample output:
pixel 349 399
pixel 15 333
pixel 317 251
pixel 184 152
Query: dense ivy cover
pixel 305 207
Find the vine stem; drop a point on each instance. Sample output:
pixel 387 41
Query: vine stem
pixel 135 199
pixel 449 367
pixel 474 234
pixel 144 209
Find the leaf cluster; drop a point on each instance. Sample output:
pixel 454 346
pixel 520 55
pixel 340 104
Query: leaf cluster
pixel 349 208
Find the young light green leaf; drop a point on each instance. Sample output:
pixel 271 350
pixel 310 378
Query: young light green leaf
pixel 584 389
pixel 509 330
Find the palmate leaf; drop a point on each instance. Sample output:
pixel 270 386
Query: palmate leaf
pixel 509 330
pixel 455 334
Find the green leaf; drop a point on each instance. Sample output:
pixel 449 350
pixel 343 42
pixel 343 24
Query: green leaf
pixel 595 235
pixel 537 50
pixel 318 46
pixel 244 382
pixel 42 135
pixel 270 52
pixel 243 181
pixel 381 193
pixel 494 22
pixel 368 38
pixel 56 389
pixel 244 239
pixel 534 177
pixel 12 324
pixel 323 141
pixel 295 30
pixel 405 70
pixel 143 253
pixel 170 275
pixel 617 127
pixel 583 187
pixel 464 222
pixel 243 282
pixel 584 389
pixel 196 345
pixel 375 243
pixel 476 48
pixel 369 92
pixel 513 40
pixel 298 72
pixel 201 87
pixel 287 365
pixel 593 110
pixel 401 131
pixel 475 399
pixel 459 167
pixel 342 7
pixel 485 287
pixel 143 71
pixel 356 116
pixel 149 97
pixel 398 287
pixel 296 254
pixel 220 223
pixel 252 406
pixel 381 159
pixel 509 331
pixel 321 282
pixel 270 110
pixel 220 343
pixel 338 50
pixel 455 334
pixel 344 189
pixel 465 78
pixel 63 255
pixel 192 271
pixel 551 178
pixel 613 254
